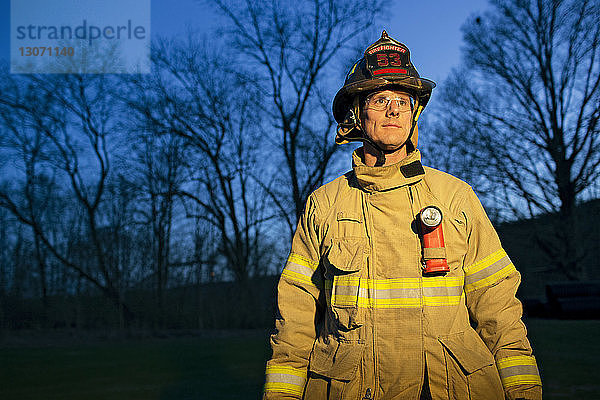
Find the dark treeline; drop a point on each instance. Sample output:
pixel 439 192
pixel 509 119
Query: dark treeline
pixel 123 196
pixel 169 199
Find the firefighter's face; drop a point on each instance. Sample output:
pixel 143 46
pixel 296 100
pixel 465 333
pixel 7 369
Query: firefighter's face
pixel 387 118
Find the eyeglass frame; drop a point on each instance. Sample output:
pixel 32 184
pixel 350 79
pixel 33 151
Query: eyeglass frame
pixel 368 98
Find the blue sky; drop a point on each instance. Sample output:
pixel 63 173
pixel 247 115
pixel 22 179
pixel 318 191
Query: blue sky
pixel 430 28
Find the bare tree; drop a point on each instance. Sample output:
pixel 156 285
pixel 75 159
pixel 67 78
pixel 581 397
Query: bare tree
pixel 524 113
pixel 193 95
pixel 5 246
pixel 157 168
pixel 73 116
pixel 288 49
pixel 26 148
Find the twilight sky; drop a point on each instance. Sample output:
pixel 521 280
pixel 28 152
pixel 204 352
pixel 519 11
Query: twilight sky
pixel 430 29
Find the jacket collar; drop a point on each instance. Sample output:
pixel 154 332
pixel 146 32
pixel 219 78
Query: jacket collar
pixel 405 172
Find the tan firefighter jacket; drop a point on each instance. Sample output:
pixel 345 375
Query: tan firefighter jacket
pixel 358 320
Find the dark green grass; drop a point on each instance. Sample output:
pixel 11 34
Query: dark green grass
pixel 567 353
pixel 232 367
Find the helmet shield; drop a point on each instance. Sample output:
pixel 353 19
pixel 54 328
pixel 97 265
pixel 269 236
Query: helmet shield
pixel 387 59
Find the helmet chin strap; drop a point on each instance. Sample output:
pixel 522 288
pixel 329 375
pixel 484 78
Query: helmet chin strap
pixel 381 152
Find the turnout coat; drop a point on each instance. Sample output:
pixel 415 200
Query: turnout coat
pixel 357 319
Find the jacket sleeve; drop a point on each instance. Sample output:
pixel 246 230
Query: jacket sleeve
pixel 491 283
pixel 298 307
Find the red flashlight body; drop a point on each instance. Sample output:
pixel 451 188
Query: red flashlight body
pixel 433 238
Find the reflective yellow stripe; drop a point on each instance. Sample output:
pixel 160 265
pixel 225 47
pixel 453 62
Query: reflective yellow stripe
pixel 299 269
pixel 285 379
pixel 486 262
pixel 276 369
pixel 490 279
pixel 437 281
pixel 399 302
pixel 351 291
pixel 521 380
pixel 284 388
pixel 347 281
pixel 298 259
pixel 343 300
pixel 515 360
pixel 297 277
pixel 488 271
pixel 398 283
pixel 518 370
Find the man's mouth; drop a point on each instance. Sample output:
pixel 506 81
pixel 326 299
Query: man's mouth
pixel 391 126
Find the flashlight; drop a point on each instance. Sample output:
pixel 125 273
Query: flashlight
pixel 434 250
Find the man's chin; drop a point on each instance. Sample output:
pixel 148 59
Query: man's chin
pixel 390 148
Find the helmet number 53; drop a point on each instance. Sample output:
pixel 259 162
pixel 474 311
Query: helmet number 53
pixel 392 59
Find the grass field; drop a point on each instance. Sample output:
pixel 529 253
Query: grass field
pixel 232 367
pixel 567 353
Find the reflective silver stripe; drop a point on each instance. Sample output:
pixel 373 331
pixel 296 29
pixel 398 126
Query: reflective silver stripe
pixel 299 269
pixel 446 291
pixel 518 370
pixel 488 271
pixel 285 379
pixel 392 293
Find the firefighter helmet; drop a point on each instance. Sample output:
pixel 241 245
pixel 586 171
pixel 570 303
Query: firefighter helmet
pixel 385 65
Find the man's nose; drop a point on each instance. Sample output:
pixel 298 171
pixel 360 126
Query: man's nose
pixel 393 108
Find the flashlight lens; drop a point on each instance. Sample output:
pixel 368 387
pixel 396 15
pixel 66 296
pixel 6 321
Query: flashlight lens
pixel 431 216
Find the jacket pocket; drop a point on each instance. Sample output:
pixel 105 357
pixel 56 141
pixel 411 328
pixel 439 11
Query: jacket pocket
pixel 336 359
pixel 333 369
pixel 349 224
pixel 470 367
pixel 345 259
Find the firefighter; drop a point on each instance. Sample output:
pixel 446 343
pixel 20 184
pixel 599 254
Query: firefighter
pixel 361 315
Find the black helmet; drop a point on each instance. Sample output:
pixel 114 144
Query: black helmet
pixel 385 65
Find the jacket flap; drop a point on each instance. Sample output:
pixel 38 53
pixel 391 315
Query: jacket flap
pixel 347 254
pixel 468 350
pixel 349 216
pixel 337 360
